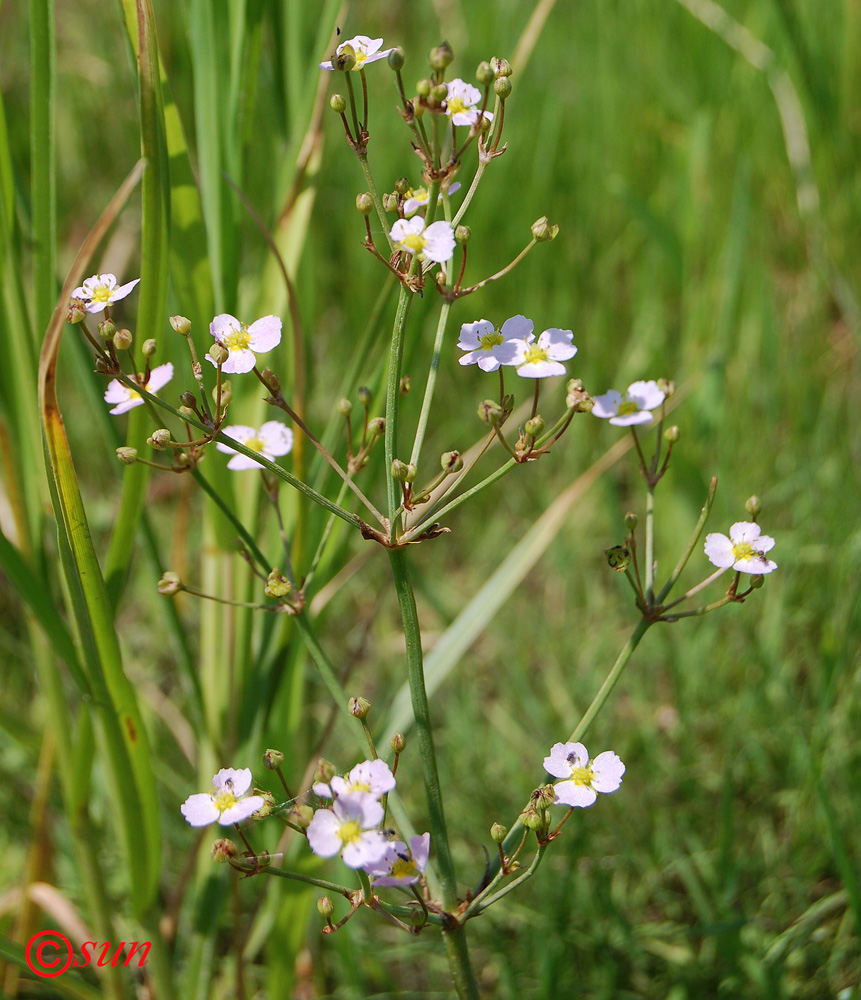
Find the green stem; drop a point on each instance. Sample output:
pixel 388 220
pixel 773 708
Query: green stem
pixel 393 394
pixel 431 384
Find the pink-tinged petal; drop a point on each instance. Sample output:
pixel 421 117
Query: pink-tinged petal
pixel 718 550
pixel 404 228
pixel 322 833
pixel 264 334
pixel 757 566
pixel 558 344
pixel 376 774
pixel 240 463
pixel 123 290
pixel 569 793
pixel 383 867
pixel 607 404
pixel 631 419
pixel 646 395
pixel 239 779
pixel 199 810
pixel 558 763
pixel 369 849
pixel 607 769
pixel 744 531
pixel 541 369
pixel 471 334
pixel 440 242
pixel 518 328
pixel 242 810
pixel 363 807
pixel 420 850
pixel 238 362
pixel 323 790
pixel 223 325
pixel 765 543
pixel 159 377
pixel 277 438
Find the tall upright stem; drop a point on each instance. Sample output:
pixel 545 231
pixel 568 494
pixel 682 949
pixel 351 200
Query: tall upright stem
pixel 393 392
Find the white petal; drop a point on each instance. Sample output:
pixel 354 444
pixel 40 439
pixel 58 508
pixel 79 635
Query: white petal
pixel 646 395
pixel 223 325
pixel 607 769
pixel 632 419
pixel 470 334
pixel 159 377
pixel 238 362
pixel 322 833
pixel 607 404
pixel 199 810
pixel 239 779
pixel 569 793
pixel 264 334
pixel 744 531
pixel 242 810
pixel 518 328
pixel 277 438
pixel 718 550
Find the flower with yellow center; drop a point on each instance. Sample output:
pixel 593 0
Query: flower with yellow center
pixel 633 408
pixel 230 803
pixel 462 103
pixel 419 197
pixel 402 865
pixel 271 441
pixel 125 399
pixel 488 347
pixel 244 342
pixel 366 50
pixel 582 778
pixel 101 291
pixel 349 828
pixel 373 776
pixel 435 242
pixel 744 550
pixel 543 358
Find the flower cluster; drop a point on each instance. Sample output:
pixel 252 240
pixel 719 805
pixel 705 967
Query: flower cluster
pixel 515 344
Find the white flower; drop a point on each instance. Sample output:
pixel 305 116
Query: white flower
pixel 229 804
pixel 583 777
pixel 402 865
pixel 417 198
pixel 633 407
pixel 462 103
pixel 436 242
pixel 372 776
pixel 126 399
pixel 273 439
pixel 367 50
pixel 349 828
pixel 100 291
pixel 541 358
pixel 744 550
pixel 243 342
pixel 488 347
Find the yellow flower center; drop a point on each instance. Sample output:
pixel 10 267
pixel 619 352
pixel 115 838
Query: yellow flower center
pixel 456 105
pixel 414 242
pixel 582 775
pixel 102 293
pixel 237 340
pixel 254 444
pixel 225 799
pixel 534 354
pixel 744 550
pixel 360 58
pixel 418 194
pixel 404 868
pixel 359 786
pixel 628 406
pixel 488 340
pixel 349 831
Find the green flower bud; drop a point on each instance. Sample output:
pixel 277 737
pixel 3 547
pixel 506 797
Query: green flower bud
pixel 672 434
pixel 666 386
pixel 484 124
pixel 534 819
pixel 534 426
pixel 390 201
pixel 484 74
pixel 123 340
pixel 267 807
pixel 753 506
pixel 187 412
pixel 181 324
pixel 149 347
pixel 271 380
pixel 359 707
pixel 76 311
pixel 618 557
pixel 219 353
pixel 756 582
pixel 402 185
pixel 376 428
pixel 301 816
pixel 451 461
pixel 490 412
pixel 324 772
pixel 543 231
pixel 398 744
pixel 226 394
pixel 183 458
pixel 169 584
pixel 423 88
pixel 403 472
pixel 405 385
pixel 576 397
pixel 438 94
pixel 223 850
pixel 544 797
pixel 364 203
pixel 440 57
pixel 160 439
pixel 344 59
pixel 273 759
pixel 498 833
pixel 326 907
pixel 277 585
pixel 396 58
pixel 365 396
pixel 188 400
pixel 631 521
pixel 107 329
pixel 463 234
pixel 128 456
pixel 502 88
pixel 501 67
pixel 338 103
pixel 345 407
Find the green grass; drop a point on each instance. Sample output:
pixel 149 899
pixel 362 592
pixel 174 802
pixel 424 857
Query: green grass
pixel 727 865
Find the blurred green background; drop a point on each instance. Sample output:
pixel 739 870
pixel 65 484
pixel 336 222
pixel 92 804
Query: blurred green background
pixel 709 211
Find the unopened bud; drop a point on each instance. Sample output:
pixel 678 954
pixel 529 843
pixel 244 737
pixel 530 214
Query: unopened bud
pixel 159 439
pixel 490 412
pixel 672 434
pixel 187 412
pixel 534 819
pixel 338 103
pixel 325 907
pixel 753 506
pixel 169 584
pixel 345 58
pixel 544 797
pixel 76 311
pixel 103 367
pixel 183 458
pixel 223 850
pixel 403 472
pixel 324 772
pixel 423 88
pixel 268 804
pixel 396 58
pixel 226 394
pixel 107 329
pixel 463 234
pixel 376 427
pixel 543 231
pixel 756 582
pixel 440 56
pixel 148 348
pixel 534 426
pixel 182 325
pixel 508 402
pixel 219 353
pixel 405 385
pixel 270 380
pixel 631 521
pixel 277 585
pixel 618 557
pixel 451 461
pixel 364 203
pixel 402 185
pixel 398 744
pixel 273 759
pixel 484 124
pixel 365 396
pixel 666 386
pixel 502 88
pixel 576 397
pixel 438 94
pixel 501 67
pixel 359 707
pixel 498 833
pixel 301 816
pixel 128 456
pixel 123 340
pixel 345 407
pixel 188 399
pixel 484 74
pixel 390 201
